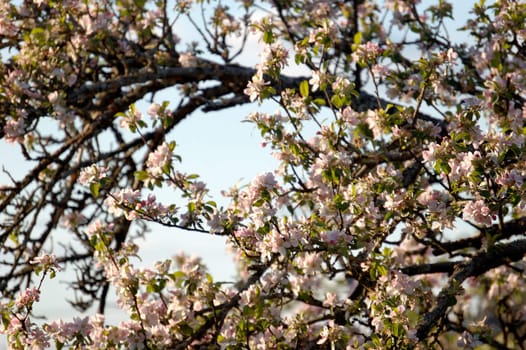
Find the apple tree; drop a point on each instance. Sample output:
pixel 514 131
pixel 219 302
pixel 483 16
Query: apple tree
pixel 395 218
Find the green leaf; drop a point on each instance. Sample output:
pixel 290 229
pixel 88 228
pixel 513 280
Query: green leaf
pixel 337 101
pixel 299 58
pixel 397 330
pixel 319 101
pixel 178 275
pixel 38 35
pixel 304 88
pixel 376 340
pixel 372 273
pixel 340 203
pixel 139 3
pixel 268 37
pixel 267 92
pixel 141 175
pixel 167 168
pixel 258 203
pixel 94 189
pixel 382 270
pixel 357 39
pixel 209 278
pixel 14 237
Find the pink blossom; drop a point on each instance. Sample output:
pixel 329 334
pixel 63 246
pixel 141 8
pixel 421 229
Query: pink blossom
pixel 129 203
pixel 37 339
pixel 53 97
pixel 479 212
pixel 27 297
pixel 367 53
pixel 153 110
pixel 130 119
pixel 272 243
pixel 73 219
pixel 378 323
pixel 510 178
pixel 309 262
pixel 449 56
pixel 98 227
pixel 87 24
pixel 150 309
pixel 462 166
pixel 14 130
pixel 319 77
pixel 15 325
pixel 350 116
pixel 399 283
pixel 151 207
pixel 38 2
pixel 46 261
pixel 92 174
pixel 434 200
pixel 329 332
pixel 249 296
pixel 93 22
pixel 331 237
pixel 255 87
pixel 274 57
pixel 216 222
pixel 266 181
pixel 430 155
pixel 126 198
pixel 395 201
pixel 340 85
pixel 159 160
pixel 331 299
pixel 380 71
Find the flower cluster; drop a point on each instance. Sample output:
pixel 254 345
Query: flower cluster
pixel 257 87
pixel 479 212
pixel 130 204
pixel 366 54
pixel 132 119
pixel 14 130
pixel 436 201
pixel 92 174
pixel 160 160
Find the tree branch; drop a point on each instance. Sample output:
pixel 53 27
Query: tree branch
pixel 497 255
pixel 421 269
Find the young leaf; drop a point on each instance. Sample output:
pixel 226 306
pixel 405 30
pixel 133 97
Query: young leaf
pixel 304 88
